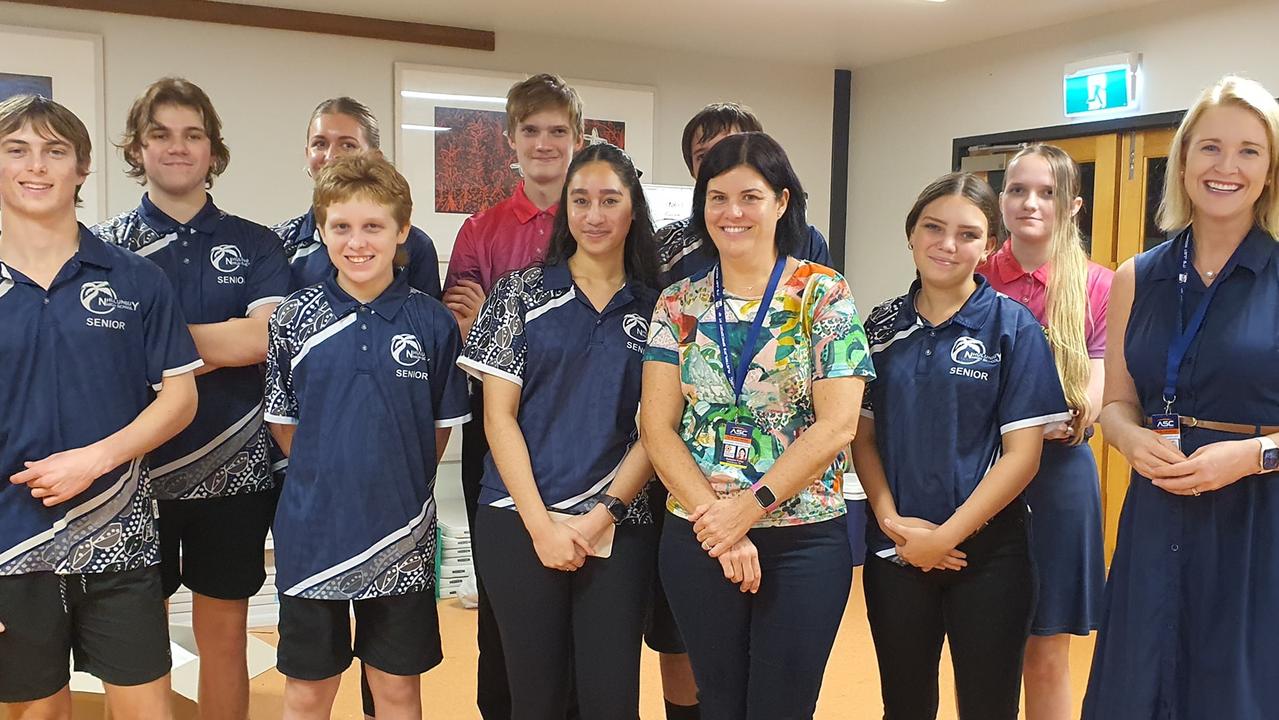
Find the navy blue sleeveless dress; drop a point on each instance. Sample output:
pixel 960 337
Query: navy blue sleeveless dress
pixel 1190 624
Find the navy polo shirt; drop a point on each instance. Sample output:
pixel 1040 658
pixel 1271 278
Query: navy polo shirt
pixel 579 376
pixel 221 267
pixel 366 385
pixel 81 361
pixel 310 264
pixel 682 253
pixel 945 395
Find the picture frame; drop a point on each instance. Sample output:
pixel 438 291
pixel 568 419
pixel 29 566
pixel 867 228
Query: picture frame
pixel 449 146
pixel 70 66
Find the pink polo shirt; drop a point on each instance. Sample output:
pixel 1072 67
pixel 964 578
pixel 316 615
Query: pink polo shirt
pixel 1006 275
pixel 511 235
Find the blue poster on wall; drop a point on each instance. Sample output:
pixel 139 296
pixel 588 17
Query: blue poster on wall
pixel 11 84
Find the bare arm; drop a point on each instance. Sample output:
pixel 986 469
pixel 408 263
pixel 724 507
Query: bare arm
pixel 836 403
pixel 1121 416
pixel 64 475
pixel 661 408
pixel 441 442
pixel 236 342
pixel 283 435
pixel 870 471
pixel 1096 388
pixel 557 545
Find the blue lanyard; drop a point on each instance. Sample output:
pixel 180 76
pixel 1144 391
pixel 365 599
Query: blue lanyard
pixel 736 374
pixel 1182 338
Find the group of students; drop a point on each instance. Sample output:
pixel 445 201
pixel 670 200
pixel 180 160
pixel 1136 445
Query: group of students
pixel 660 428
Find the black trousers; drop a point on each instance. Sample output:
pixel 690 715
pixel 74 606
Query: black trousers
pixel 560 626
pixel 984 610
pixel 760 656
pixel 492 691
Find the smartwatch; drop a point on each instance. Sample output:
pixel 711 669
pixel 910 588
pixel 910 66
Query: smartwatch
pixel 615 507
pixel 1269 454
pixel 764 496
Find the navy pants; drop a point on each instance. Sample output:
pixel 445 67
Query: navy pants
pixel 760 656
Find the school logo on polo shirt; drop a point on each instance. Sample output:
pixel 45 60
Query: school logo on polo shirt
pixel 968 351
pixel 407 351
pixel 636 328
pixel 99 298
pixel 228 259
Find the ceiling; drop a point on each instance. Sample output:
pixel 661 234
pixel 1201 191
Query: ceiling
pixel 835 33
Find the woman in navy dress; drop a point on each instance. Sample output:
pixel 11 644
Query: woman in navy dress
pixel 1188 628
pixel 1042 264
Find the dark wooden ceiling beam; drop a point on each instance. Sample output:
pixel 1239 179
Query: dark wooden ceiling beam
pixel 284 19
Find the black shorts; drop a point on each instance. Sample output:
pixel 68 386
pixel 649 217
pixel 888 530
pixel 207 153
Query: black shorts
pixel 113 624
pixel 399 635
pixel 661 634
pixel 215 546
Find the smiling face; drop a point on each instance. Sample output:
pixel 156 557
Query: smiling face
pixel 333 135
pixel 176 151
pixel 361 237
pixel 742 211
pixel 1227 163
pixel 544 143
pixel 39 174
pixel 599 210
pixel 951 237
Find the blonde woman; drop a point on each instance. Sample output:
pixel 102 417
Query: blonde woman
pixel 1188 623
pixel 1042 265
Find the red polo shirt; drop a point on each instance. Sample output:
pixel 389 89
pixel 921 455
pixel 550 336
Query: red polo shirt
pixel 511 235
pixel 1006 275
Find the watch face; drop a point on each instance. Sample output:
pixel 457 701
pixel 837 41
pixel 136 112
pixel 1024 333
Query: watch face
pixel 615 508
pixel 1270 459
pixel 766 497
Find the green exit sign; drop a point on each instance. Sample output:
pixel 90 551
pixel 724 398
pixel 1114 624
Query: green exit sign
pixel 1104 86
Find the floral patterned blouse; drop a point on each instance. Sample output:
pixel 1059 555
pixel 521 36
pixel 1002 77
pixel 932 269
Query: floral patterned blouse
pixel 812 332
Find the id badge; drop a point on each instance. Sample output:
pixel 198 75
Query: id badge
pixel 1168 427
pixel 735 450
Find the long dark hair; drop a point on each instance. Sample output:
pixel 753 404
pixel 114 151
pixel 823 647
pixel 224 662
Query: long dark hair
pixel 639 253
pixel 764 155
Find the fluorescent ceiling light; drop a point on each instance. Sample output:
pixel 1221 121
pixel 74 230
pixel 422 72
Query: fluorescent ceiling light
pixel 424 128
pixel 452 98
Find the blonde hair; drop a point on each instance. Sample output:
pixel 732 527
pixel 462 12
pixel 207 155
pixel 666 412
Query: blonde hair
pixel 1066 314
pixel 543 92
pixel 1175 209
pixel 365 175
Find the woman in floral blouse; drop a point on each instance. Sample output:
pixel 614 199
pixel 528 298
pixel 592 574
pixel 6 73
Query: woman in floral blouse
pixel 753 376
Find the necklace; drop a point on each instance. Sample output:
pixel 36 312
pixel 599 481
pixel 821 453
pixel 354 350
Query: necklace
pixel 1210 274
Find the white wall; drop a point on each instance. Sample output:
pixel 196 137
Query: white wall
pixel 266 82
pixel 906 113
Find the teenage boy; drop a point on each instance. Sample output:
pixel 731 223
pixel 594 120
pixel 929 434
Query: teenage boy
pixel 681 254
pixel 97 371
pixel 362 390
pixel 544 126
pixel 213 480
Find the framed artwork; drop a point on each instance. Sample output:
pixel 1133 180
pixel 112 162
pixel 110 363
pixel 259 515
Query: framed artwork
pixel 450 142
pixel 68 68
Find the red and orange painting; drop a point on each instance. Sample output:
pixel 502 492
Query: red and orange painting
pixel 473 160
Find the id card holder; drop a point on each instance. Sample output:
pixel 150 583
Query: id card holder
pixel 735 450
pixel 1168 427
